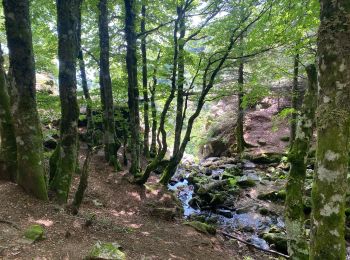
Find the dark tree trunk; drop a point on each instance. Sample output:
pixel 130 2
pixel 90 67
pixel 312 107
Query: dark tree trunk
pixel 295 218
pixel 295 99
pixel 133 90
pixel 240 113
pixel 181 79
pixel 111 143
pixel 146 151
pixel 31 174
pixel 163 146
pixel 333 120
pixel 68 12
pixel 153 150
pixel 8 146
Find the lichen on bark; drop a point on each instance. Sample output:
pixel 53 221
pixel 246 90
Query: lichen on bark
pixel 333 119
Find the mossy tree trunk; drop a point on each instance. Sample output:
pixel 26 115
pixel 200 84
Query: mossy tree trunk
pixel 31 174
pixel 111 142
pixel 8 146
pixel 133 89
pixel 333 120
pixel 68 13
pixel 146 149
pixel 295 98
pixel 294 213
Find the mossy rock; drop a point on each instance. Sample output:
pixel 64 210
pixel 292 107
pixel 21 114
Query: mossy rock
pixel 106 251
pixel 273 195
pixel 279 240
pixel 202 227
pixel 246 182
pixel 34 233
pixel 266 158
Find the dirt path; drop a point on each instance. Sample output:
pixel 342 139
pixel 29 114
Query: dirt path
pixel 113 211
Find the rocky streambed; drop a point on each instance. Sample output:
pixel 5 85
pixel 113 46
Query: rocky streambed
pixel 241 197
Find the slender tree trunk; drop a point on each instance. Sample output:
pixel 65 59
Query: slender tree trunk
pixel 133 90
pixel 31 174
pixel 240 114
pixel 181 80
pixel 153 150
pixel 8 146
pixel 295 99
pixel 111 143
pixel 146 151
pixel 68 48
pixel 163 146
pixel 333 120
pixel 297 244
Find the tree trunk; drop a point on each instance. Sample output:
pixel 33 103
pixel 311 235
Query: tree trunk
pixel 333 120
pixel 153 150
pixel 111 143
pixel 68 47
pixel 297 244
pixel 240 114
pixel 295 99
pixel 181 79
pixel 31 174
pixel 8 146
pixel 163 146
pixel 146 151
pixel 133 90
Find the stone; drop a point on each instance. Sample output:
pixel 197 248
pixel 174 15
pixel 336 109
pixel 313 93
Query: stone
pixel 246 182
pixel 279 240
pixel 163 213
pixel 34 233
pixel 262 142
pixel 50 143
pixel 106 251
pixel 202 227
pixel 273 195
pixel 224 212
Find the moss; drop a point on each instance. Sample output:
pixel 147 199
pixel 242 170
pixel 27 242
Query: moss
pixel 106 251
pixel 34 233
pixel 278 239
pixel 202 227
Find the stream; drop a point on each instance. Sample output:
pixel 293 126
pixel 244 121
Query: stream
pixel 246 209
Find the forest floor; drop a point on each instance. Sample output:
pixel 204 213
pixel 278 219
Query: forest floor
pixel 114 210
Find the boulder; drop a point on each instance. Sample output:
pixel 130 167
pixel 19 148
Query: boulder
pixel 273 195
pixel 278 240
pixel 34 233
pixel 106 251
pixel 246 182
pixel 202 227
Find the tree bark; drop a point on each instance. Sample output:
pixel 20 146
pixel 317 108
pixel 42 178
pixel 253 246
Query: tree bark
pixel 8 146
pixel 163 146
pixel 294 212
pixel 240 114
pixel 181 79
pixel 133 90
pixel 31 173
pixel 111 143
pixel 295 99
pixel 333 120
pixel 153 150
pixel 146 150
pixel 68 48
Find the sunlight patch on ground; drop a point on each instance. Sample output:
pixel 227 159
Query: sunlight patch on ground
pixel 45 222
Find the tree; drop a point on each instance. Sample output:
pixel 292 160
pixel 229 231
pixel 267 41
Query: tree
pixel 68 47
pixel 112 144
pixel 8 146
pixel 297 244
pixel 146 151
pixel 330 185
pixel 31 174
pixel 133 90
